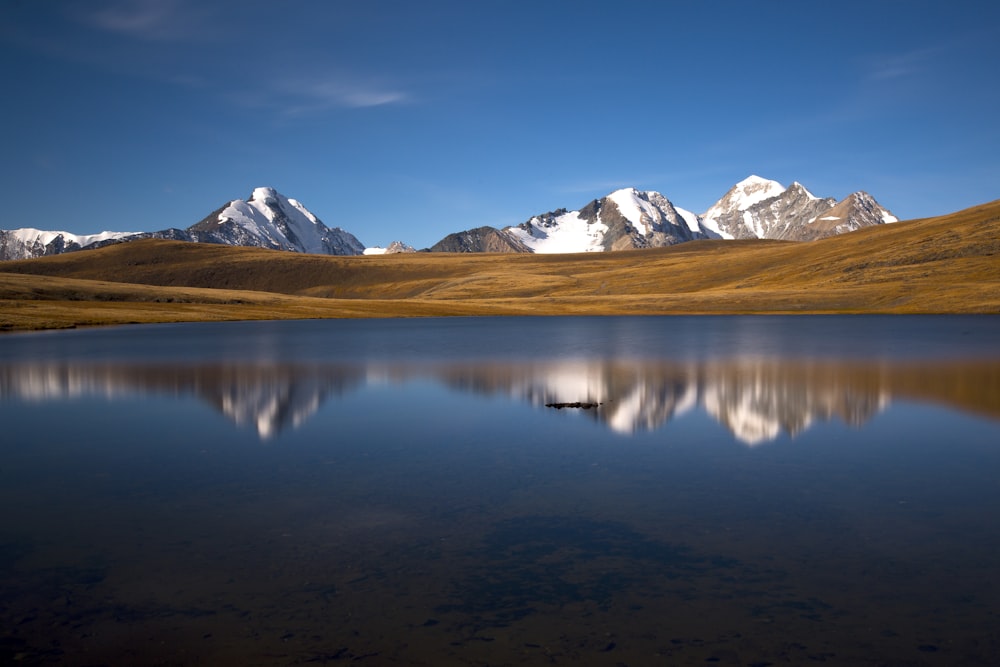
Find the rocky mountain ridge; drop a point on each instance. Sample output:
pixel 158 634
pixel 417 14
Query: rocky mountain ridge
pixel 266 219
pixel 755 208
pixel 762 209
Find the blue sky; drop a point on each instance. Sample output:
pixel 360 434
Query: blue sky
pixel 411 120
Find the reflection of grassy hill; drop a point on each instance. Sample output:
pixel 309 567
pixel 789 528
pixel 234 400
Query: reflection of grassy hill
pixel 947 264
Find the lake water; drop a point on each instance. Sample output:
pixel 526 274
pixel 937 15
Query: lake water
pixel 571 491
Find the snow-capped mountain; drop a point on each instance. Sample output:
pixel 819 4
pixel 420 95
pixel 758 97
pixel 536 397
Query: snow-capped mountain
pixel 755 208
pixel 741 197
pixel 26 243
pixel 393 248
pixel 267 219
pixel 622 220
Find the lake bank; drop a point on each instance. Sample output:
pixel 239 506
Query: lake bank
pixel 945 265
pixel 42 314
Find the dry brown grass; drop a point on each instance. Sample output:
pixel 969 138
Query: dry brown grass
pixel 949 264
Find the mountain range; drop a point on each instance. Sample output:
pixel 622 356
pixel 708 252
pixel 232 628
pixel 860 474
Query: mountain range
pixel 755 208
pixel 267 219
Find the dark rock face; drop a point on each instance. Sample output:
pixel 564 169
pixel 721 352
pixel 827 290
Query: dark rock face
pixel 480 239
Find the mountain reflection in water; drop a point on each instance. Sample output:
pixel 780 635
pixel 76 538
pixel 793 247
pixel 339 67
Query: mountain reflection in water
pixel 756 399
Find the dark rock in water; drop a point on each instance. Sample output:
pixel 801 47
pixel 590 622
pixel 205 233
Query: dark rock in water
pixel 577 404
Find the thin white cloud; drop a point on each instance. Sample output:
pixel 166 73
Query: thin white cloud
pixel 306 97
pixel 298 98
pixel 900 65
pixel 152 20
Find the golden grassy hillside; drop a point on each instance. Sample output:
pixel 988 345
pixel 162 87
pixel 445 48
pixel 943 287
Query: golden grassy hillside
pixel 949 264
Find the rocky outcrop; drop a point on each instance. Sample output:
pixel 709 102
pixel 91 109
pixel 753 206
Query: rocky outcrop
pixel 480 239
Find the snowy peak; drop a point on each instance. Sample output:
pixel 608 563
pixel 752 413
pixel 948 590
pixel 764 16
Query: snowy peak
pixel 625 219
pixel 26 243
pixel 268 219
pixel 267 196
pixel 637 207
pixel 757 208
pixel 649 211
pixel 393 248
pixel 754 208
pixel 746 193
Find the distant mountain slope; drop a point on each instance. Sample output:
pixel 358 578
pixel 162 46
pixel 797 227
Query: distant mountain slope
pixel 267 219
pixel 949 264
pixel 393 248
pixel 857 211
pixel 755 208
pixel 26 243
pixel 625 219
pixel 945 264
pixel 480 239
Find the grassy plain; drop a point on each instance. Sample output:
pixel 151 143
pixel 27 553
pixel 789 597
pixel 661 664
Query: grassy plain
pixel 948 264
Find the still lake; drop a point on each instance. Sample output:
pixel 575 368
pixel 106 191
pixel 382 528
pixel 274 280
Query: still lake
pixel 572 491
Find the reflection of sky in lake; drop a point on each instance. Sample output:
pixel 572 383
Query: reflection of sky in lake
pixel 399 492
pixel 521 339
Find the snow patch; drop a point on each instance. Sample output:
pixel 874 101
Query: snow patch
pixel 690 219
pixel 567 233
pixel 710 226
pixel 633 206
pixel 30 236
pixel 753 190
